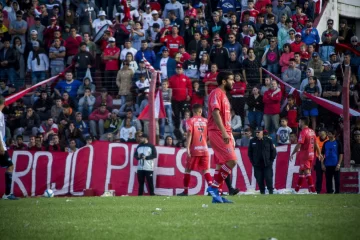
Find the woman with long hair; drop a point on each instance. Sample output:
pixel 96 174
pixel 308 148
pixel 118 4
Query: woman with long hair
pixel 19 48
pixel 260 43
pixel 345 33
pixel 285 57
pixel 255 108
pixel 234 64
pixel 204 65
pixel 238 98
pixel 73 133
pixel 132 63
pixel 169 142
pixel 124 80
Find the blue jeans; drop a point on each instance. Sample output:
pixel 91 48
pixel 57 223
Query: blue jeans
pixel 85 112
pixel 8 74
pixel 271 122
pixel 168 111
pixel 274 68
pixel 37 77
pixel 255 118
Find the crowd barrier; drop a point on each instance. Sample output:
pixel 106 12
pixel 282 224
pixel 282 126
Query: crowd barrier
pixel 105 165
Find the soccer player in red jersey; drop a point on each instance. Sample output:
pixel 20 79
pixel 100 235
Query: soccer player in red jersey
pixel 197 149
pixel 220 134
pixel 307 146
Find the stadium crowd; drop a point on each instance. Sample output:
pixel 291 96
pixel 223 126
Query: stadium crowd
pixel 106 87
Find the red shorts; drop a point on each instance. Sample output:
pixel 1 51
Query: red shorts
pixel 197 163
pixel 223 152
pixel 306 164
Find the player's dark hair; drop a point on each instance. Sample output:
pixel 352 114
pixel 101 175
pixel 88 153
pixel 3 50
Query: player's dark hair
pixel 224 75
pixel 305 120
pixel 196 108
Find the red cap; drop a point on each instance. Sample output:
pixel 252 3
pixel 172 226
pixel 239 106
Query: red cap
pixel 179 65
pixel 218 39
pixel 53 18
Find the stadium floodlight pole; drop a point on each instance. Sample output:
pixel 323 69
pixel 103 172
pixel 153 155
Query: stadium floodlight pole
pixel 346 116
pixel 152 123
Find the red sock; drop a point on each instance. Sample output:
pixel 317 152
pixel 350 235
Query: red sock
pixel 310 183
pixel 208 178
pixel 219 178
pixel 220 188
pixel 300 181
pixel 186 182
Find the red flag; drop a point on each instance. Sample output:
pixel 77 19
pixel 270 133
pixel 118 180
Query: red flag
pixel 127 14
pixel 159 108
pixel 346 47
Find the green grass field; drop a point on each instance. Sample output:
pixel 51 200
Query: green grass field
pixel 251 217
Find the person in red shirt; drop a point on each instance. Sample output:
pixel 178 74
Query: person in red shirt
pixel 184 55
pixel 38 145
pixel 291 113
pixel 111 58
pixel 198 95
pixel 181 93
pixel 196 147
pixel 260 5
pixel 307 145
pixel 296 46
pixel 220 134
pixel 210 84
pixel 173 41
pixel 299 19
pixel 272 99
pixel 72 45
pixel 252 12
pixel 238 99
pixel 49 32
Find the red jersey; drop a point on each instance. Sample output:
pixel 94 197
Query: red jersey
pixel 173 43
pixel 239 88
pixel 197 127
pixel 295 47
pixel 210 77
pixel 219 100
pixel 184 57
pixel 181 87
pixel 299 21
pixel 253 15
pixel 191 13
pixel 260 5
pixel 113 64
pixel 307 139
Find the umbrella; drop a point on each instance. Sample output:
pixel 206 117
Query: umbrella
pixel 100 33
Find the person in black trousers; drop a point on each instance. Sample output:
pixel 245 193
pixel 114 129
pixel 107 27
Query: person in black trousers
pixel 262 154
pixel 145 153
pixel 320 140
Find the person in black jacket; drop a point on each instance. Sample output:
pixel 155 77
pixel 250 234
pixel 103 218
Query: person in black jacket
pixel 145 153
pixel 7 62
pixel 220 55
pixel 262 153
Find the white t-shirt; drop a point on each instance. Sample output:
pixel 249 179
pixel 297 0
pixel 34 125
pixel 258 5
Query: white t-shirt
pixel 123 53
pixel 98 24
pixel 159 21
pixel 126 133
pixel 163 67
pixel 2 130
pixel 142 85
pixel 284 135
pixel 146 20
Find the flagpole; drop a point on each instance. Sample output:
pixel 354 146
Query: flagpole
pixel 152 120
pixel 346 114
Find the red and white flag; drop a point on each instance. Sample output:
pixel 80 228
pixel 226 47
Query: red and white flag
pixel 159 108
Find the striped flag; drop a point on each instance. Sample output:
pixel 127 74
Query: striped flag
pixel 159 108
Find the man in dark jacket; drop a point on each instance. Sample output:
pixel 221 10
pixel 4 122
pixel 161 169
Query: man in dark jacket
pixel 220 55
pixel 262 154
pixel 83 60
pixel 145 153
pixel 7 62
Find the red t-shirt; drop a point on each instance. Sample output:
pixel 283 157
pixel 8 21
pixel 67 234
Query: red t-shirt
pixel 173 43
pixel 210 77
pixel 184 57
pixel 219 100
pixel 197 127
pixel 299 21
pixel 191 13
pixel 307 140
pixel 113 64
pixel 253 15
pixel 239 88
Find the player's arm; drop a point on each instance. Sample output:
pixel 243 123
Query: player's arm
pixel 296 149
pixel 188 142
pixel 2 150
pixel 220 125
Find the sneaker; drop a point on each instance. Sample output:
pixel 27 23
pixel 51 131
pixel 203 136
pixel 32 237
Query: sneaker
pixel 226 200
pixel 214 192
pixel 9 197
pixel 217 199
pixel 293 191
pixel 234 191
pixel 107 194
pixel 183 194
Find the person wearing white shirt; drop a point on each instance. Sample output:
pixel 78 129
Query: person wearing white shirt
pixel 98 23
pixel 127 132
pixel 147 17
pixel 128 49
pixel 176 7
pixel 156 19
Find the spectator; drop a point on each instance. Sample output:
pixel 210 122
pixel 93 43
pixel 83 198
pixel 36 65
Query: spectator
pixel 37 63
pixel 87 12
pixel 98 23
pixel 54 144
pixel 124 81
pixel 299 19
pixel 57 54
pixel 89 140
pixel 90 46
pixel 283 35
pixel 309 33
pixel 245 138
pixel 112 124
pixel 232 45
pixel 132 63
pixel 238 98
pixel 182 126
pixel 73 133
pixel 255 108
pixel 29 123
pixel 20 66
pixel 326 74
pixel 86 84
pixel 20 145
pixel 292 36
pixel 330 31
pixel 190 66
pixel 51 32
pixel 70 86
pixel 165 64
pixel 345 33
pixel 86 103
pixel 316 64
pixel 156 19
pixel 285 57
pixel 166 96
pixel 72 45
pixel 128 49
pixel 97 119
pixel 169 142
pixel 173 41
pixel 262 154
pixel 48 129
pixel 43 105
pixel 18 27
pixel 182 92
pixel 283 133
pixel 65 117
pixel 355 147
pixel 137 35
pixel 81 124
pixel 270 28
pixel 184 56
pixel 104 98
pixel 292 76
pixel 56 109
pixel 326 48
pixel 83 61
pixel 37 28
pixel 281 9
pixel 269 10
pixel 7 62
pixel 72 142
pixel 195 44
pixel 66 99
pixel 272 57
pixel 129 114
pixel 291 113
pixel 176 7
pixel 121 31
pixel 236 123
pixel 282 22
pixel 204 48
pixel 38 145
pixel 127 132
pixel 145 52
pixel 252 71
pixel 333 153
pixel 111 58
pixel 308 106
pixel 259 44
pixel 272 99
pixel 234 63
pixel 250 11
pixel 11 90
